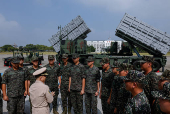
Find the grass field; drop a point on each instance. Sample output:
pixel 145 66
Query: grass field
pixel 54 53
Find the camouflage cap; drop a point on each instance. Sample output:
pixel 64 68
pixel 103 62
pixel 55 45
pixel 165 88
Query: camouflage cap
pixel 125 66
pixel 134 76
pixel 20 57
pixel 51 57
pixel 64 56
pixel 41 72
pixel 165 75
pixel 75 55
pixel 116 64
pixel 15 60
pixel 104 61
pixel 147 59
pixel 90 58
pixel 162 94
pixel 34 58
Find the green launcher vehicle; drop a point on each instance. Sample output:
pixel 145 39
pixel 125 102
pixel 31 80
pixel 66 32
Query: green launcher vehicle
pixel 71 39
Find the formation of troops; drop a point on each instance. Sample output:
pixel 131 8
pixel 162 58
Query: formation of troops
pixel 122 89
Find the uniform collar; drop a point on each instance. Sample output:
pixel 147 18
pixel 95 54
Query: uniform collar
pixel 37 81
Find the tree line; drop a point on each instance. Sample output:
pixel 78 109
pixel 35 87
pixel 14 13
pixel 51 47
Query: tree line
pixel 28 47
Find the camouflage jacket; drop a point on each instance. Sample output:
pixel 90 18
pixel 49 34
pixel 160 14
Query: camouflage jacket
pixel 52 78
pixel 150 84
pixel 139 104
pixel 65 73
pixel 93 76
pixel 77 73
pixel 24 68
pixel 0 87
pixel 166 86
pixel 107 79
pixel 30 72
pixel 114 90
pixel 122 94
pixel 15 81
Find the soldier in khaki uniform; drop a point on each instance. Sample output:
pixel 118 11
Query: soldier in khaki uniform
pixel 40 94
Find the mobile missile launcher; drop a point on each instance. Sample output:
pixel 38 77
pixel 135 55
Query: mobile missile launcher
pixel 71 39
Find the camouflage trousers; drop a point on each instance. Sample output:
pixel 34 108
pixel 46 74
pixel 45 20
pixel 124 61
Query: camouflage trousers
pixel 1 106
pixel 54 103
pixel 77 101
pixel 15 105
pixel 64 96
pixel 105 106
pixel 91 103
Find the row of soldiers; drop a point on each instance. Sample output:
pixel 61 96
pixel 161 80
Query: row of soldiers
pixel 122 89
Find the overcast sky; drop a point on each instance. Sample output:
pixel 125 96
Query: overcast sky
pixel 35 21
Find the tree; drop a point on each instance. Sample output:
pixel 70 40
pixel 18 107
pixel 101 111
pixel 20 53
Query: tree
pixel 90 49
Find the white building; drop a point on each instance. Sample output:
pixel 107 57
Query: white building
pixel 100 45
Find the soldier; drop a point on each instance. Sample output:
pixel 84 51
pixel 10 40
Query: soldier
pixel 77 84
pixel 40 94
pixel 64 72
pixel 1 102
pixel 92 86
pixel 138 103
pixel 114 90
pixel 21 58
pixel 16 81
pixel 151 82
pixel 106 83
pixel 164 92
pixel 122 94
pixel 30 71
pixel 52 80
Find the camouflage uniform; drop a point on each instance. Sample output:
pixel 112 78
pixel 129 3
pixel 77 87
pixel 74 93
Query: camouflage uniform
pixel 106 81
pixel 116 64
pixel 52 80
pixel 122 94
pixel 77 73
pixel 93 77
pixel 15 81
pixel 1 102
pixel 64 72
pixel 32 78
pixel 139 103
pixel 151 84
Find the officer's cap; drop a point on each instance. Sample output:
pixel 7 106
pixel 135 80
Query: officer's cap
pixel 40 72
pixel 75 55
pixel 51 57
pixel 64 56
pixel 34 58
pixel 147 59
pixel 15 60
pixel 104 61
pixel 134 76
pixel 90 58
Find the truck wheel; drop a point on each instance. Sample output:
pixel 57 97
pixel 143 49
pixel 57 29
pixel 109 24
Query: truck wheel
pixel 136 66
pixel 156 66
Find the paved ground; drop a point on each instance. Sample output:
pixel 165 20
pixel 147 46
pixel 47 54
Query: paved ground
pixel 27 105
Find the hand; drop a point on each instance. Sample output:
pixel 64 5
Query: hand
pixel 5 97
pixel 97 93
pixel 108 101
pixel 59 86
pixel 161 83
pixel 25 93
pixel 115 110
pixel 68 89
pixel 82 92
pixel 53 93
pixel 28 93
pixel 100 96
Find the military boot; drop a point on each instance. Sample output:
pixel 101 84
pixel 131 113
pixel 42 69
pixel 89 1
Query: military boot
pixel 55 111
pixel 69 110
pixel 64 110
